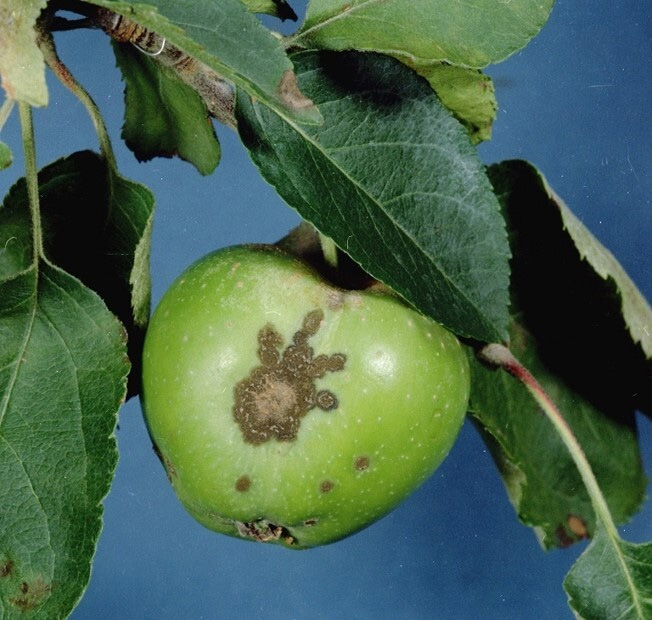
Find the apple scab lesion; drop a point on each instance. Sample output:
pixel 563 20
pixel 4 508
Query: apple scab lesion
pixel 272 400
pixel 264 531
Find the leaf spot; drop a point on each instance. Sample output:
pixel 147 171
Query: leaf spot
pixel 290 94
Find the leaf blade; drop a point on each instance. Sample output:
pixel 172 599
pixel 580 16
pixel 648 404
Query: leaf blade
pixel 569 328
pixel 539 474
pixel 379 198
pixel 611 579
pixel 277 8
pixel 22 67
pixel 6 157
pixel 61 388
pixel 425 31
pixel 163 116
pixel 614 370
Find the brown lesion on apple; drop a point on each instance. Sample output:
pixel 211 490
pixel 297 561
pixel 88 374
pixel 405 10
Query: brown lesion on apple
pixel 272 400
pixel 326 486
pixel 361 463
pixel 243 484
pixel 264 531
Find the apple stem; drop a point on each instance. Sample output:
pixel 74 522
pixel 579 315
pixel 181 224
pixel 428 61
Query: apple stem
pixel 499 355
pixel 329 250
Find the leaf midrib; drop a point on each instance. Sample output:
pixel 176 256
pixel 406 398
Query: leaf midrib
pixel 23 348
pixel 334 18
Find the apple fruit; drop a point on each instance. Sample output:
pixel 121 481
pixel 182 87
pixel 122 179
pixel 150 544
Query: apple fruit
pixel 288 410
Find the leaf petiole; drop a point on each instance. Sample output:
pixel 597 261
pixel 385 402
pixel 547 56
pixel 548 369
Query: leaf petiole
pixel 31 176
pixel 501 356
pixel 47 47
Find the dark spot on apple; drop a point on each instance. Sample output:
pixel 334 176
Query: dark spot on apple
pixel 362 463
pixel 6 568
pixel 326 486
pixel 32 594
pixel 264 531
pixel 271 401
pixel 310 522
pixel 243 484
pixel 327 401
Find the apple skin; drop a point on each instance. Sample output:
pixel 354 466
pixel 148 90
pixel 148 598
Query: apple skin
pixel 287 410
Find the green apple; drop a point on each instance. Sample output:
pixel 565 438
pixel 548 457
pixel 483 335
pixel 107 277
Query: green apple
pixel 288 410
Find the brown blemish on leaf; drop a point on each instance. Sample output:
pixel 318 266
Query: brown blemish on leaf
pixel 562 537
pixel 577 526
pixel 6 568
pixel 32 594
pixel 243 484
pixel 290 94
pixel 326 486
pixel 362 463
pixel 272 400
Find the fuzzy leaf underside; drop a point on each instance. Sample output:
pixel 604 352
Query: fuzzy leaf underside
pixel 22 66
pixel 63 374
pixel 471 33
pixel 227 38
pixel 163 116
pixel 611 581
pixel 392 178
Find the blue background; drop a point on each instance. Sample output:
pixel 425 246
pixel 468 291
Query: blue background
pixel 577 102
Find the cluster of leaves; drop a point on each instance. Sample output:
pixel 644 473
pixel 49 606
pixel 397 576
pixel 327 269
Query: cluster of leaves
pixel 340 120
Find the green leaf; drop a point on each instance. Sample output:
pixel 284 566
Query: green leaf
pixel 577 331
pixel 62 378
pixel 22 67
pixel 540 476
pixel 467 93
pixel 392 178
pixel 230 41
pixel 277 8
pixel 420 32
pixel 609 362
pixel 6 157
pixel 611 581
pixel 96 226
pixel 94 223
pixel 163 116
